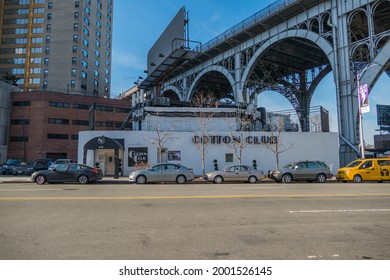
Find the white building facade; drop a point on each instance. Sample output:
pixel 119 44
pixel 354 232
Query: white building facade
pixel 104 148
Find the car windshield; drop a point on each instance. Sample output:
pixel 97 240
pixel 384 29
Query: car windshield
pixel 290 165
pixel 354 163
pixel 13 161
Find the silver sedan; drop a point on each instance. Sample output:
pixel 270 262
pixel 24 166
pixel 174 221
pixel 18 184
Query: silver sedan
pixel 236 173
pixel 164 172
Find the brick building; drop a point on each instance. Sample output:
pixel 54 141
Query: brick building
pixel 46 124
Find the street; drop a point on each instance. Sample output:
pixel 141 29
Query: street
pixel 266 220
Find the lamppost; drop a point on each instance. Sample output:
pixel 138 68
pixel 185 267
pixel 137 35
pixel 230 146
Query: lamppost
pixel 362 100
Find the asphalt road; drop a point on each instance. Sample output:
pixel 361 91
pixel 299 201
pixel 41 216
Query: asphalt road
pixel 195 221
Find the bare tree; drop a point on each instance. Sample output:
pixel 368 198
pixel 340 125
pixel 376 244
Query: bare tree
pixel 202 109
pixel 162 137
pixel 276 144
pixel 237 135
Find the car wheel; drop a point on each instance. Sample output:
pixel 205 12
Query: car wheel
pixel 321 178
pixel 357 179
pixel 83 179
pixel 40 180
pixel 218 180
pixel 252 179
pixel 141 180
pixel 181 179
pixel 287 178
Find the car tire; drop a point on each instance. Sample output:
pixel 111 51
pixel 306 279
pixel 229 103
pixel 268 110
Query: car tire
pixel 321 178
pixel 252 179
pixel 140 180
pixel 181 179
pixel 357 179
pixel 40 179
pixel 287 178
pixel 218 179
pixel 83 179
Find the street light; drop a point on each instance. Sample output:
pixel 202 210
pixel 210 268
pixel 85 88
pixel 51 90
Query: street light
pixel 362 98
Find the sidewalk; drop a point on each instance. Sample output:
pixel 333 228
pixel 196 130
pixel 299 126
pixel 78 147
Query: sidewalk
pixel 26 179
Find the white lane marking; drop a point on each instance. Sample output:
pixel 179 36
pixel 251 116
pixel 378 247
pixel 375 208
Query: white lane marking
pixel 341 211
pixel 256 188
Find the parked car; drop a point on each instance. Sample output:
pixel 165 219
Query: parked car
pixel 310 171
pixel 164 172
pixel 65 173
pixel 373 169
pixel 39 164
pixel 236 173
pixel 8 166
pixel 60 161
pixel 21 168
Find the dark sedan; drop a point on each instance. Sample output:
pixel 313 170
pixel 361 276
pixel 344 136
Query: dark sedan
pixel 66 173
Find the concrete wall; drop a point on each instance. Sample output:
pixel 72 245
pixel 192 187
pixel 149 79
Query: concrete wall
pixel 304 146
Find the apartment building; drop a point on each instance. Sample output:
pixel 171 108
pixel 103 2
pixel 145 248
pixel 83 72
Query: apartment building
pixel 57 45
pixel 47 124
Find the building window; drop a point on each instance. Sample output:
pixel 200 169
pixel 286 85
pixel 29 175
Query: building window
pixel 45 84
pixel 81 106
pixel 59 104
pixel 228 157
pixel 20 121
pixel 84 86
pixel 48 38
pixel 46 61
pixel 57 121
pixel 96 82
pixel 74 60
pixel 80 122
pixel 18 139
pixel 72 83
pixel 76 15
pixel 74 49
pixel 84 75
pixel 21 103
pixel 49 16
pixel 85 42
pixel 47 50
pixel 84 63
pixel 45 72
pixel 48 27
pixel 73 72
pixel 75 37
pixel 76 26
pixel 104 108
pixel 77 4
pixel 49 5
pixel 57 136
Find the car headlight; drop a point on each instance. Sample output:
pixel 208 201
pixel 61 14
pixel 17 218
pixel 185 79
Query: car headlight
pixel 347 171
pixel 276 172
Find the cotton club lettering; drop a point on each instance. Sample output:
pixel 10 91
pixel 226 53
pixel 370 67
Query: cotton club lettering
pixel 218 139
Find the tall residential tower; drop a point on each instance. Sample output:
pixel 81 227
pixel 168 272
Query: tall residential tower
pixel 57 45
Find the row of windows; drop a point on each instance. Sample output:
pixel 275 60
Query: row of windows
pixel 21 41
pixel 75 106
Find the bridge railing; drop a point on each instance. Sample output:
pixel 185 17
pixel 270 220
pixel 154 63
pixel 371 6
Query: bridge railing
pixel 252 20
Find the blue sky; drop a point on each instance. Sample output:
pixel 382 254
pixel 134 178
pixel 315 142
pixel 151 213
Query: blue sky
pixel 138 24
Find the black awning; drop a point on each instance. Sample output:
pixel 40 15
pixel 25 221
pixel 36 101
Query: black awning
pixel 103 142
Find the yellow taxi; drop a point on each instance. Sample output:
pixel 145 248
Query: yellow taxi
pixel 371 169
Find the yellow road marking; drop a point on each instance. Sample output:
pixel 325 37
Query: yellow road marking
pixel 191 197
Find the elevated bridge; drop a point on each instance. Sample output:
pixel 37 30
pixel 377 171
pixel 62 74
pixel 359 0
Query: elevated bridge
pixel 287 47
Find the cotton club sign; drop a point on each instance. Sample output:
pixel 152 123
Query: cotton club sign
pixel 218 139
pixel 136 155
